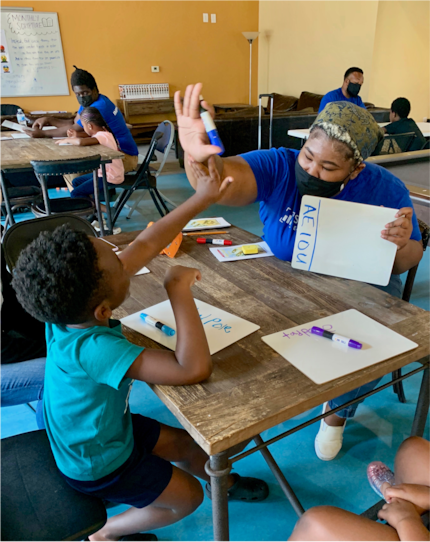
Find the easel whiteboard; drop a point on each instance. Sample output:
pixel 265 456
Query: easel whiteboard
pixel 343 239
pixel 32 61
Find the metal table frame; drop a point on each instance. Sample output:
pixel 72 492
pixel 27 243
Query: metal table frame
pixel 103 231
pixel 219 466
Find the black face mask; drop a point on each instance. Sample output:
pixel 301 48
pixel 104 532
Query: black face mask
pixel 309 185
pixel 353 89
pixel 85 101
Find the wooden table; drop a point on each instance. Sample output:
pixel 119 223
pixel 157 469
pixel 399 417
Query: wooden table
pixel 253 388
pixel 17 154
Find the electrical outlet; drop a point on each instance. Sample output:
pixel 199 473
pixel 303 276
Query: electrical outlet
pixel 205 17
pixel 155 69
pixel 213 18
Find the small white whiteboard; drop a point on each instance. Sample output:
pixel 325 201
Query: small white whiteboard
pixel 323 360
pixel 343 239
pixel 32 61
pixel 222 328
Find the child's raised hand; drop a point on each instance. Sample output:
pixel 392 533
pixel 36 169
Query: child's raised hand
pixel 413 493
pixel 398 511
pixel 180 276
pixel 209 184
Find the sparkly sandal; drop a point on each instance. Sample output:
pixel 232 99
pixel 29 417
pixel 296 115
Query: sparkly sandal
pixel 378 473
pixel 244 489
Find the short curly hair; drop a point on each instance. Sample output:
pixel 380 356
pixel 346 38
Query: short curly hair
pixel 82 78
pixel 57 278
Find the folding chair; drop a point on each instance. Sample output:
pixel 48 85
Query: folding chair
pixel 164 144
pixel 23 233
pixel 395 143
pixel 407 291
pixel 140 180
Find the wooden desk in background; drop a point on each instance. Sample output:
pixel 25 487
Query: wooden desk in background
pixel 253 388
pixel 17 154
pixel 134 110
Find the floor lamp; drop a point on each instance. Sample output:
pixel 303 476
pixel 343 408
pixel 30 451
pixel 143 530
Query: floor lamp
pixel 250 36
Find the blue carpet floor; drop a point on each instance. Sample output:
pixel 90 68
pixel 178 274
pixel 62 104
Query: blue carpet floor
pixel 380 425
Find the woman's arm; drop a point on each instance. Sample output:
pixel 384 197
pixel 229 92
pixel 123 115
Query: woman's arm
pixel 194 141
pixel 191 362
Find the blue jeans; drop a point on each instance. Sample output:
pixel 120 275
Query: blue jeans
pixel 394 288
pixel 83 186
pixel 23 383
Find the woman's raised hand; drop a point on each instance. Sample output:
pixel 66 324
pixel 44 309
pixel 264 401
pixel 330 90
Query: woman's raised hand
pixel 192 133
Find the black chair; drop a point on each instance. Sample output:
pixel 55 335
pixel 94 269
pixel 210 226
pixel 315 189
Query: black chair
pixel 18 197
pixel 407 291
pixel 426 145
pixel 395 143
pixel 141 180
pixel 83 207
pixel 23 233
pixel 37 503
pixel 9 109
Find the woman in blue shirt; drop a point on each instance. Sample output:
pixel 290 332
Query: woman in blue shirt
pixel 330 164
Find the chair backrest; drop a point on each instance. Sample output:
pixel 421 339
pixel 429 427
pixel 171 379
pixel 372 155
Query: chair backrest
pixel 426 145
pixel 23 233
pixel 410 278
pixel 143 168
pixel 9 109
pixel 65 167
pixel 395 143
pixel 165 143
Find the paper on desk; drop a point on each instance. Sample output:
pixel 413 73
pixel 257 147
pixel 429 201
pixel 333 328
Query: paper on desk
pixel 3 138
pixel 15 126
pixel 20 135
pixel 232 254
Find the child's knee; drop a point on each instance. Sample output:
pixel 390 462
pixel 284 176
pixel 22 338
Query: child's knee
pixel 315 522
pixel 413 446
pixel 194 497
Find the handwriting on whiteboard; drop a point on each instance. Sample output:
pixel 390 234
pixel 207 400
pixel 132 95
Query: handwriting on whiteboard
pixel 307 238
pixel 305 332
pixel 215 323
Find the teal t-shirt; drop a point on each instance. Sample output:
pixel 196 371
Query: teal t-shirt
pixel 86 395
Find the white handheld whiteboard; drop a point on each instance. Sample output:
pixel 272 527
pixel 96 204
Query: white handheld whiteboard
pixel 343 239
pixel 322 360
pixel 222 328
pixel 32 61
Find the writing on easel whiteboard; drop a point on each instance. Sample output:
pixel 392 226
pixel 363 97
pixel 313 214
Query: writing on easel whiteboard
pixel 308 235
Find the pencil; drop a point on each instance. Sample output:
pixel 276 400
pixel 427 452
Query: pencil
pixel 207 232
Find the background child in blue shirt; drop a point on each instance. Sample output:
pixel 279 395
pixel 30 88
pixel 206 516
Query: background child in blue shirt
pixel 74 283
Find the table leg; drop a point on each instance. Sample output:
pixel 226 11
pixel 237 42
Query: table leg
pixel 97 202
pixel 422 409
pixel 218 468
pixel 282 481
pixel 6 200
pixel 107 200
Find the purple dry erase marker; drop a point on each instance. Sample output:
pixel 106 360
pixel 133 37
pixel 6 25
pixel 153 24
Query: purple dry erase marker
pixel 336 338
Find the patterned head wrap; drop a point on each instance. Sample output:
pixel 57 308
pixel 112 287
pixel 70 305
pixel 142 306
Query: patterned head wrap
pixel 352 125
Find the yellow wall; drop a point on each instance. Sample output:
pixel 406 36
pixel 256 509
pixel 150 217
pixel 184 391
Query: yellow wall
pixel 401 56
pixel 119 41
pixel 309 45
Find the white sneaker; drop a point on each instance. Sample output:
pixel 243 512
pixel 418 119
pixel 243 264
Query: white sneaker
pixel 328 441
pixel 95 224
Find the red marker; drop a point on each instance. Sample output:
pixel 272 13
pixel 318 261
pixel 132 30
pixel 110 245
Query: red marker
pixel 203 241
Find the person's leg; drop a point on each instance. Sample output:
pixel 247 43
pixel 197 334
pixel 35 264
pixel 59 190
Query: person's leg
pixel 83 186
pixel 412 464
pixel 22 382
pixel 68 179
pixel 130 162
pixel 330 523
pixel 181 497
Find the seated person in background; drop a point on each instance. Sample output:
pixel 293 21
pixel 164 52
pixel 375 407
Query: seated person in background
pixel 401 124
pixel 407 493
pixel 98 132
pixel 23 351
pixel 74 283
pixel 85 88
pixel 348 92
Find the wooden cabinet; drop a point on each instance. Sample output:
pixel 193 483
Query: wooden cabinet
pixel 156 111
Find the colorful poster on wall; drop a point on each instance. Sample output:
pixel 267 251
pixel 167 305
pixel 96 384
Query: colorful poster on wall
pixel 4 54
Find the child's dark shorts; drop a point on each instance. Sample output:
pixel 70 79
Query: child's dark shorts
pixel 141 479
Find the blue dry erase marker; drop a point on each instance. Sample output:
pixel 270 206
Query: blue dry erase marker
pixel 210 127
pixel 159 325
